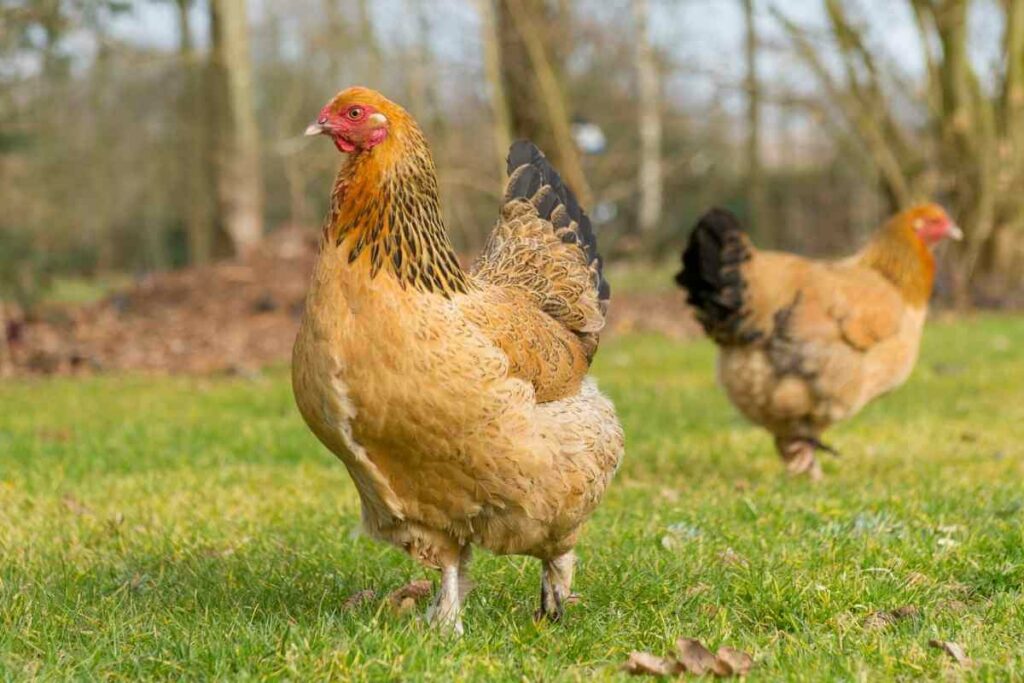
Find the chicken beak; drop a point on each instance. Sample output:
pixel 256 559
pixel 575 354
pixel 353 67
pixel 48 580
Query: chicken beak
pixel 316 128
pixel 955 233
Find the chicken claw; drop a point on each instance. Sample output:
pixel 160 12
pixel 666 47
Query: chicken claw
pixel 555 587
pixel 798 454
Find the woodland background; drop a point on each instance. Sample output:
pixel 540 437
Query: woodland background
pixel 138 137
pixel 164 511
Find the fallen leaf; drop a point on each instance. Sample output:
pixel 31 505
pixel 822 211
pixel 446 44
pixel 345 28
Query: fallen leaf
pixel 646 664
pixel 414 592
pixel 732 662
pixel 888 617
pixel 690 657
pixel 359 598
pixel 954 650
pixel 694 657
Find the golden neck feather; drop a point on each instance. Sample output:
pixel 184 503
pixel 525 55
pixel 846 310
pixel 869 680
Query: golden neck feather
pixel 899 255
pixel 385 210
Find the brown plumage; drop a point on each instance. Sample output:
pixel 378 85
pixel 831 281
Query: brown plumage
pixel 804 343
pixel 457 400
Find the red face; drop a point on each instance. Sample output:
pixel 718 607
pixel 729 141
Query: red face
pixel 933 225
pixel 353 127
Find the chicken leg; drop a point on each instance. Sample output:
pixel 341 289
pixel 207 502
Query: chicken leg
pixel 555 586
pixel 445 612
pixel 799 456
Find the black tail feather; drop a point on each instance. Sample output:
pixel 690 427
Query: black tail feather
pixel 540 172
pixel 712 276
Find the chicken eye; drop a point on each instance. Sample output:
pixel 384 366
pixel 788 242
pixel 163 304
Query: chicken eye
pixel 355 113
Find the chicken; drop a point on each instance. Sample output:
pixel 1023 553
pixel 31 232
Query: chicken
pixel 458 400
pixel 803 343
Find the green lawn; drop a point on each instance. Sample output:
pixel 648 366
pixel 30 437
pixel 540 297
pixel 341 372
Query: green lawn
pixel 193 528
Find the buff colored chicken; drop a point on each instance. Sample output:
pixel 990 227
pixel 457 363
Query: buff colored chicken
pixel 805 344
pixel 458 400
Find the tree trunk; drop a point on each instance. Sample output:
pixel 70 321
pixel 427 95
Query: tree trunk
pixel 536 101
pixel 237 160
pixel 195 176
pixel 755 173
pixel 972 153
pixel 6 356
pixel 649 121
pixel 495 86
pixel 369 44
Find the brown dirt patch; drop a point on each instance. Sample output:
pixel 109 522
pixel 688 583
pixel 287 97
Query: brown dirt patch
pixel 229 317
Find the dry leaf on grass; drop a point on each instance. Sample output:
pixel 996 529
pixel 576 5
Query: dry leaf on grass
pixel 359 598
pixel 406 597
pixel 731 662
pixel 646 664
pixel 694 657
pixel 690 657
pixel 888 617
pixel 954 650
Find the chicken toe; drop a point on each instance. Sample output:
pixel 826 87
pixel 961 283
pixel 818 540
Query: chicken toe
pixel 799 456
pixel 555 586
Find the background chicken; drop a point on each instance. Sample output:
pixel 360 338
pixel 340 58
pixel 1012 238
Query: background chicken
pixel 807 343
pixel 457 400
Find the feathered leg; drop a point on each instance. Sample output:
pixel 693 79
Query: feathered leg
pixel 555 586
pixel 799 456
pixel 465 583
pixel 445 613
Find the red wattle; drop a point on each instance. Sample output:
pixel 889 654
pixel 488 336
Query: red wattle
pixel 344 145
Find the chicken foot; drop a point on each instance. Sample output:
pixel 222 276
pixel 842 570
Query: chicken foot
pixel 445 612
pixel 799 456
pixel 555 586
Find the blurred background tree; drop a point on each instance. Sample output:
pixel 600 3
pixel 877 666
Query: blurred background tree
pixel 957 135
pixel 153 134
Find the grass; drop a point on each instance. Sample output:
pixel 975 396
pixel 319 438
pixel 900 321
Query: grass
pixel 72 290
pixel 192 528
